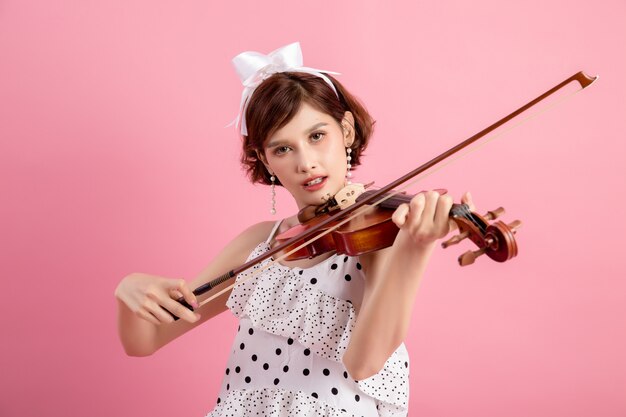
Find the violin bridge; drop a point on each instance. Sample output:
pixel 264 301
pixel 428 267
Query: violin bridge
pixel 347 195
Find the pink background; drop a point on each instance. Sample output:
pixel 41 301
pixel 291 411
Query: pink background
pixel 114 159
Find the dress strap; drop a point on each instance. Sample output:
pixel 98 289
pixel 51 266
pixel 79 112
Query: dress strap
pixel 271 236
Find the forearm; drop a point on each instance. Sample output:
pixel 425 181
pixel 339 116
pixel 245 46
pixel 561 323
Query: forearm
pixel 136 334
pixel 385 314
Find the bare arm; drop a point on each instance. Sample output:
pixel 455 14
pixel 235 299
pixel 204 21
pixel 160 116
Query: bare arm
pixel 143 333
pixel 384 318
pixel 393 276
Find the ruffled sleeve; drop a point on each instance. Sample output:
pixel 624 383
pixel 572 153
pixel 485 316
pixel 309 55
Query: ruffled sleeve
pixel 390 386
pixel 280 303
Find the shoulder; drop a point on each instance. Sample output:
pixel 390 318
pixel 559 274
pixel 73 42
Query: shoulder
pixel 235 252
pixel 257 230
pixel 249 238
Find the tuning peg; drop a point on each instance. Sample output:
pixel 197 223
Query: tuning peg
pixel 514 225
pixel 455 239
pixel 469 257
pixel 494 214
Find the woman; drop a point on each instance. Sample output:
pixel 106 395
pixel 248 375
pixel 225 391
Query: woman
pixel 322 337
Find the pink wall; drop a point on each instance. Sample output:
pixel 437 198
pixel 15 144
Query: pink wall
pixel 114 159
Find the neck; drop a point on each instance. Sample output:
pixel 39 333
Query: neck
pixel 290 222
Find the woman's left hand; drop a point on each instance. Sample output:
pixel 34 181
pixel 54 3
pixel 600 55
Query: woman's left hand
pixel 426 218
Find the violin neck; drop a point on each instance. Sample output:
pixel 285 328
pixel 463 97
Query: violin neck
pixel 390 203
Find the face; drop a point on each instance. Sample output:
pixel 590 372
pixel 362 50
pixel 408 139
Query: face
pixel 308 155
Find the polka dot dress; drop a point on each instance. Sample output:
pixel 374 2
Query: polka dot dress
pixel 294 327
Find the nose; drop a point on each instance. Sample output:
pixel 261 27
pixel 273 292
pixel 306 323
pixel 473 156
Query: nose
pixel 306 161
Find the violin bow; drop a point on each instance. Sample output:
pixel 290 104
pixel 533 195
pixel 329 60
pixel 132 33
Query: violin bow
pixel 345 214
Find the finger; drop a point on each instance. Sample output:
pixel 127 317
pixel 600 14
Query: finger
pixel 147 316
pixel 400 214
pixel 416 210
pixel 467 199
pixel 181 311
pixel 188 294
pixel 452 226
pixel 430 206
pixel 154 307
pixel 442 215
pixel 176 294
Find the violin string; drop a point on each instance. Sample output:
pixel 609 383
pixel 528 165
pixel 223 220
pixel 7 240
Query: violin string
pixel 414 181
pixel 466 213
pixel 474 220
pixel 469 215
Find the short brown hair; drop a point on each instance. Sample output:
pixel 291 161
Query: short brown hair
pixel 277 100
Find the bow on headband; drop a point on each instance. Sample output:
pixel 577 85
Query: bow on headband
pixel 253 68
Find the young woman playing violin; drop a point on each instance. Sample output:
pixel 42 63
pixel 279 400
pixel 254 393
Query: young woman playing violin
pixel 317 337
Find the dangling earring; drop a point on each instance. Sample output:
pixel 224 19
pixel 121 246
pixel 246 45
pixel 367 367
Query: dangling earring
pixel 273 188
pixel 348 158
pixel 346 131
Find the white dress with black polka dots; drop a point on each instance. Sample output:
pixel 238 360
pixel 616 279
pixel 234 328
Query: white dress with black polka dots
pixel 294 327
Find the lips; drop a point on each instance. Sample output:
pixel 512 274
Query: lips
pixel 314 183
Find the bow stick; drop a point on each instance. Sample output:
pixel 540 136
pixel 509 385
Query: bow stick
pixel 583 79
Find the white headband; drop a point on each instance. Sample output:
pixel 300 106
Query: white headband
pixel 253 68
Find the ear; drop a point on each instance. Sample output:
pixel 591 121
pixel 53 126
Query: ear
pixel 261 157
pixel 348 128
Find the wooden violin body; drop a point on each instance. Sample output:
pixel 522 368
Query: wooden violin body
pixel 373 230
pixel 369 232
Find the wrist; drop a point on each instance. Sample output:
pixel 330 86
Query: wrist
pixel 405 241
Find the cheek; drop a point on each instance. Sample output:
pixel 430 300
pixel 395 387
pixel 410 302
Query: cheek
pixel 340 155
pixel 284 169
pixel 278 167
pixel 337 150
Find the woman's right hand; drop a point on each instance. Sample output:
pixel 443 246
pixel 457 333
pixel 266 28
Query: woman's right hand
pixel 149 296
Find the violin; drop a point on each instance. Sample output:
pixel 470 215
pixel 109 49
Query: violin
pixel 373 229
pixel 496 239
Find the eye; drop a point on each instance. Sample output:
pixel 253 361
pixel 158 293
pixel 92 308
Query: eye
pixel 317 138
pixel 279 150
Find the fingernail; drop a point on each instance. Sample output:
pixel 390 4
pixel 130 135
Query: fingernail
pixel 198 316
pixel 194 304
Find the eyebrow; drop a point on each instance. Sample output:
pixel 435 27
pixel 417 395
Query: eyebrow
pixel 274 143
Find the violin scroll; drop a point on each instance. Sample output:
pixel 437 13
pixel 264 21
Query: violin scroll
pixel 497 239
